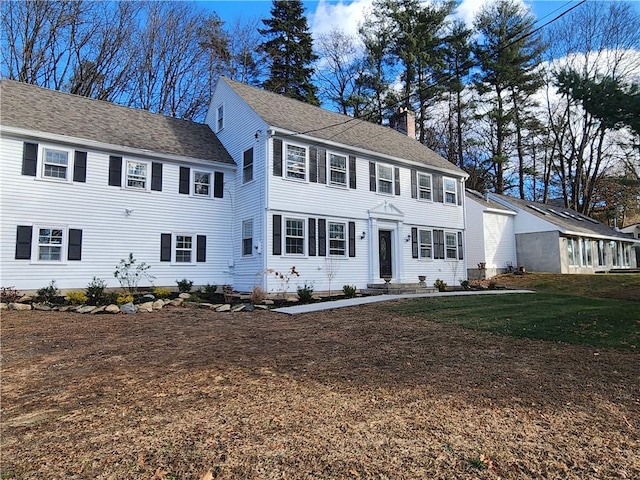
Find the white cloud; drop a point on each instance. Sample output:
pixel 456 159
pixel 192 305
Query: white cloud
pixel 468 9
pixel 345 15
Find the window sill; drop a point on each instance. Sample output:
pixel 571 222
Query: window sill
pixel 54 180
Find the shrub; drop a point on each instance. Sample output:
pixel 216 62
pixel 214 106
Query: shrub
pixel 161 292
pixel 257 294
pixel 124 298
pixel 349 291
pixel 76 298
pixel 95 291
pixel 9 295
pixel 208 292
pixel 48 294
pixel 305 294
pixel 440 285
pixel 184 285
pixel 110 298
pixel 129 273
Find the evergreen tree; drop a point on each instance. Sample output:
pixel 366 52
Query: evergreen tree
pixel 289 51
pixel 508 56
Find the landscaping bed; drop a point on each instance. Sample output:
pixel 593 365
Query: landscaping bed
pixel 358 392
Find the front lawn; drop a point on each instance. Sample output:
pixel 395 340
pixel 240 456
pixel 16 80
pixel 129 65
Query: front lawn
pixel 598 322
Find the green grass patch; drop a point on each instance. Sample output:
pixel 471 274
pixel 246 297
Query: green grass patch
pixel 598 322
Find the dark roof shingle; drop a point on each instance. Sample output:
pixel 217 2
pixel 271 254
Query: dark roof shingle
pixel 283 112
pixel 35 108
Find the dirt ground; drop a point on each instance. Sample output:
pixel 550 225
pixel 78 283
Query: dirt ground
pixel 347 394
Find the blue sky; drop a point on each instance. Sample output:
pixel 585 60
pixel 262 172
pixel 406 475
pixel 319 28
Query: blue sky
pixel 345 14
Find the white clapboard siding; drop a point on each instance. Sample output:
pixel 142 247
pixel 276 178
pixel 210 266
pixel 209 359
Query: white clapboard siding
pixel 108 233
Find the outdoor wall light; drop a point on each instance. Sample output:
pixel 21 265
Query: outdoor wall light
pixel 362 235
pixel 408 238
pixel 128 211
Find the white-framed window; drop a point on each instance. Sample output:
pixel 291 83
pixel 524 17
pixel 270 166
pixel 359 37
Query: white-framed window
pixel 424 186
pixel 219 117
pixel 137 174
pixel 337 170
pixel 602 259
pixel 337 239
pixel 425 244
pixel 247 237
pixel 573 253
pixel 616 252
pixel 586 252
pixel 385 179
pixel 51 243
pixel 247 166
pixel 451 245
pixel 450 191
pixel 201 183
pixel 55 164
pixel 184 247
pixel 294 236
pixel 296 165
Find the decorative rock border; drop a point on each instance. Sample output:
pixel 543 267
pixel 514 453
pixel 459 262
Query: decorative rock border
pixel 129 308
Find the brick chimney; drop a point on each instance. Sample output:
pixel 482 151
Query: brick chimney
pixel 404 121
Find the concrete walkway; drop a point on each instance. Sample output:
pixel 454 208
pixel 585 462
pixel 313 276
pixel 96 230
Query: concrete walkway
pixel 350 302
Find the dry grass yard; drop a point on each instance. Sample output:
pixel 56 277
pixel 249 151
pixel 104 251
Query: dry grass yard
pixel 354 393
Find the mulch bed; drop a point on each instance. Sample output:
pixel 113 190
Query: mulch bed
pixel 348 393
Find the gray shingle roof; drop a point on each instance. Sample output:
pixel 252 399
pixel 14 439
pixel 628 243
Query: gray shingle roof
pixel 282 112
pixel 43 110
pixel 564 218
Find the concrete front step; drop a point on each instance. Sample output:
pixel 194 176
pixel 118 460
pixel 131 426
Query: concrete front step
pixel 397 289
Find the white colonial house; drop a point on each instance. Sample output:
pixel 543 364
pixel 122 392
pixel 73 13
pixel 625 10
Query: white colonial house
pixel 266 185
pixel 505 233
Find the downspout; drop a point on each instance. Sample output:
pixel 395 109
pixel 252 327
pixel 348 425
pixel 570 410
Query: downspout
pixel 265 224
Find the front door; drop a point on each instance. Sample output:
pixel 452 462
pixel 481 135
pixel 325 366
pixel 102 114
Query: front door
pixel 384 242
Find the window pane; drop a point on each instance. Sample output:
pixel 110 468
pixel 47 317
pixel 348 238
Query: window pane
pixel 136 175
pixel 337 243
pixel 202 182
pixel 452 246
pixel 296 162
pixel 55 164
pixel 338 169
pixel 294 242
pixel 450 191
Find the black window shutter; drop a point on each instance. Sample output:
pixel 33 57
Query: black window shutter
pixel 460 247
pixel 352 172
pixel 396 179
pixel 115 171
pixel 322 165
pixel 75 244
pixel 312 237
pixel 29 159
pixel 165 247
pixel 201 248
pixel 438 244
pixel 414 183
pixel 414 242
pixel 322 237
pixel 218 184
pixel 277 157
pixel 313 164
pixel 80 167
pixel 23 242
pixel 372 176
pixel 156 176
pixel 183 183
pixel 277 234
pixel 438 195
pixel 352 239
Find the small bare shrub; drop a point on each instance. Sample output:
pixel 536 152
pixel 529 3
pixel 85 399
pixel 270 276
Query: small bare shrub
pixel 257 294
pixel 9 295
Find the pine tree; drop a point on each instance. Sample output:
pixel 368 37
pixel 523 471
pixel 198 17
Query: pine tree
pixel 509 56
pixel 289 51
